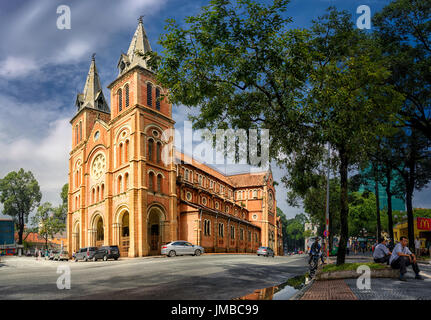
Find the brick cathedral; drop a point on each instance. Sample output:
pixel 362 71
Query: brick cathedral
pixel 122 193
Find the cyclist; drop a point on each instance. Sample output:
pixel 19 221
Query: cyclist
pixel 316 249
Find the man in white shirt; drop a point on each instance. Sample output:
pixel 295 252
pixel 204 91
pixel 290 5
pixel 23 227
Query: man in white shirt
pixel 417 247
pixel 381 252
pixel 402 257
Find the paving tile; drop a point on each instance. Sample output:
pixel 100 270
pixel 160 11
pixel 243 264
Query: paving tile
pixel 329 290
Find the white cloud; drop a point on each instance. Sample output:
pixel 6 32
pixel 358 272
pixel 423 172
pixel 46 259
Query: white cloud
pixel 47 157
pixel 15 67
pixel 32 30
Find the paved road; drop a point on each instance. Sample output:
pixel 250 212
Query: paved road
pixel 205 277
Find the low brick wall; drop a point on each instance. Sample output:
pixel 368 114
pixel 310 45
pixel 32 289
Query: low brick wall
pixel 352 274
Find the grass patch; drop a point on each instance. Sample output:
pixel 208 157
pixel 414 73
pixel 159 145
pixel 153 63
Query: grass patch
pixel 351 266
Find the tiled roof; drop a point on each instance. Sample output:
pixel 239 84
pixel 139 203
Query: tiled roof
pixel 248 179
pixel 236 180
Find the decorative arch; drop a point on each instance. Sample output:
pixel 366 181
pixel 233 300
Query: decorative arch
pixel 156 217
pixel 121 232
pixel 76 235
pixel 120 131
pixel 97 229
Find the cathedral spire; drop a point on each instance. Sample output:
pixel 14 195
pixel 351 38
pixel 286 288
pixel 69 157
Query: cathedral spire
pixel 92 97
pixel 137 48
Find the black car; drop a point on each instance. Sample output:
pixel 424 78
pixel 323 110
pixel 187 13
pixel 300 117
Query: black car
pixel 107 252
pixel 85 254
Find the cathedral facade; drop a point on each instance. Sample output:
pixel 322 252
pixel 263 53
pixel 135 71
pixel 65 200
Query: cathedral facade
pixel 121 192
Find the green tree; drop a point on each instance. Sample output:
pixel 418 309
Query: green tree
pixel 362 213
pixel 61 210
pixel 20 195
pixel 350 102
pixel 404 30
pixel 242 67
pixel 47 222
pixel 414 167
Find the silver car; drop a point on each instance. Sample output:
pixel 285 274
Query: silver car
pixel 265 251
pixel 180 247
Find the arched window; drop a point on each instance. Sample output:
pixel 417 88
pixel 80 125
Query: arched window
pixel 150 149
pixel 221 230
pixel 80 130
pixel 126 151
pixel 93 193
pixel 126 181
pixel 151 181
pixel 98 194
pixel 120 100
pixel 103 192
pixel 157 99
pixel 159 183
pixel 186 174
pixel 159 152
pixel 149 94
pixel 120 154
pixel 76 134
pixel 207 227
pixel 126 88
pixel 120 179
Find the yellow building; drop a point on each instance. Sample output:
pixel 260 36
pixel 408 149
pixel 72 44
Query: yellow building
pixel 422 229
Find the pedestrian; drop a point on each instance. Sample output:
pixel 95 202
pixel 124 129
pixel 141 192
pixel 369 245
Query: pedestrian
pixel 417 247
pixel 381 252
pixel 402 257
pixel 348 247
pixel 428 245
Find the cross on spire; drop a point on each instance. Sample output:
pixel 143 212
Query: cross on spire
pixel 141 18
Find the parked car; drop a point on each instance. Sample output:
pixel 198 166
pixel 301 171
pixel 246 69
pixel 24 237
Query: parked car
pixel 61 255
pixel 50 255
pixel 180 247
pixel 85 254
pixel 107 252
pixel 265 251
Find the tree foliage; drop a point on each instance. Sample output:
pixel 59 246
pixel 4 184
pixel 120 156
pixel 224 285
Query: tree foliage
pixel 47 222
pixel 20 195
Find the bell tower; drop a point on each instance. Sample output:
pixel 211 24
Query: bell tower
pixel 139 116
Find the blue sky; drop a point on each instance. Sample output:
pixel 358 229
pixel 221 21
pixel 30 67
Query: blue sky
pixel 42 68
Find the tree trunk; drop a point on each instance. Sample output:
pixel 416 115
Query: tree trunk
pixel 344 213
pixel 376 190
pixel 410 221
pixel 389 197
pixel 21 228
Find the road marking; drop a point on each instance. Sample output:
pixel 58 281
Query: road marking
pixel 425 275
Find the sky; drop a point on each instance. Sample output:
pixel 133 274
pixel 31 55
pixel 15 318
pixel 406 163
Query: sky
pixel 42 68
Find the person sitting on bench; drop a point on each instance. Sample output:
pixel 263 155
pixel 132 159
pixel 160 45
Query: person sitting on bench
pixel 381 252
pixel 402 257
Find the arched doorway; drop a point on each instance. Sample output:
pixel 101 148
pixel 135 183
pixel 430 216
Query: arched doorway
pixel 124 235
pixel 155 230
pixel 100 232
pixel 76 238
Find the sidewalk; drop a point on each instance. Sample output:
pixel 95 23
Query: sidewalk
pixel 381 288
